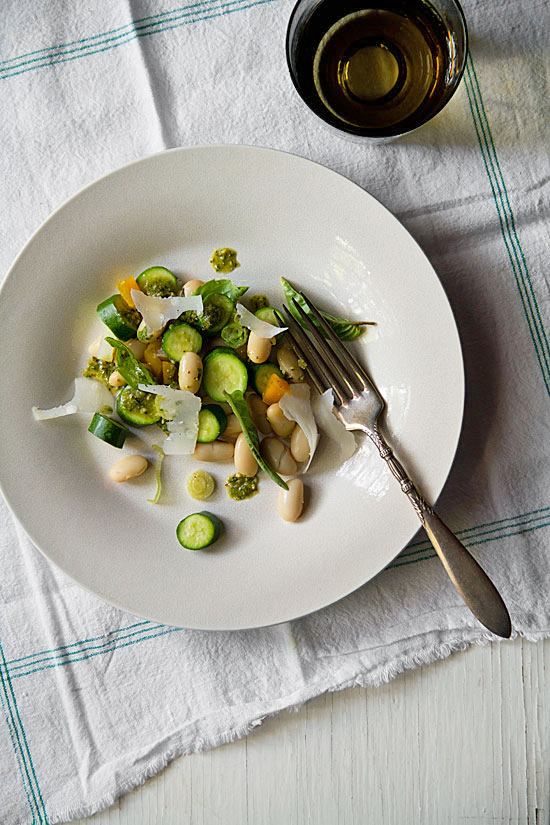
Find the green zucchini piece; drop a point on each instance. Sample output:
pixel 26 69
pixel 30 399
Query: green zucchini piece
pixel 216 313
pixel 239 406
pixel 181 338
pixel 199 530
pixel 223 372
pixel 137 408
pixel 261 374
pixel 234 334
pixel 121 319
pixel 200 485
pixel 267 314
pixel 158 281
pixel 128 366
pixel 212 423
pixel 108 430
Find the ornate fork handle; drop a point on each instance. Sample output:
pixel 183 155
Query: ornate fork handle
pixel 468 577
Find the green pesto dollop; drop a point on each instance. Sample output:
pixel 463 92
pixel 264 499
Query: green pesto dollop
pixel 100 371
pixel 224 260
pixel 239 486
pixel 256 302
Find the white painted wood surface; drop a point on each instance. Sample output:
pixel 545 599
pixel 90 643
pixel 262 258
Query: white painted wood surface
pixel 465 740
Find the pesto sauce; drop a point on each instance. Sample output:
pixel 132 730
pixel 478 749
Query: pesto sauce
pixel 256 302
pixel 100 371
pixel 239 486
pixel 224 260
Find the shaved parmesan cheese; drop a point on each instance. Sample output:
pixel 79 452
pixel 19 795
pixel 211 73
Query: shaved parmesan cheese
pixel 329 424
pixel 89 397
pixel 181 408
pixel 297 406
pixel 156 312
pixel 260 328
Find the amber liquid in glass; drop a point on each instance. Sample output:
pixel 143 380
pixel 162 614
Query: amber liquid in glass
pixel 374 69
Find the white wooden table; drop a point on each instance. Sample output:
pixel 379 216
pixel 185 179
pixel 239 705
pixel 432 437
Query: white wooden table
pixel 465 740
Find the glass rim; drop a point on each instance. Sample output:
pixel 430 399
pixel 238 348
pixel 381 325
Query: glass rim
pixel 381 133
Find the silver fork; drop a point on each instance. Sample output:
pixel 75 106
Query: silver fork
pixel 359 405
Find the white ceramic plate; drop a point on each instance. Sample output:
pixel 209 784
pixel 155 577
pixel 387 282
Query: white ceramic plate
pixel 285 216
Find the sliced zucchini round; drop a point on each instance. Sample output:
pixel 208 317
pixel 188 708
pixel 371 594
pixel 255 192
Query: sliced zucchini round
pixel 122 320
pixel 137 408
pixel 261 374
pixel 223 372
pixel 216 312
pixel 199 530
pixel 158 281
pixel 108 430
pixel 267 314
pixel 181 338
pixel 212 423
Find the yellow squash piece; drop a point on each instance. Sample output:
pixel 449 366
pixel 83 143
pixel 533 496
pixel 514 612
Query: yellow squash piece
pixel 125 288
pixel 275 388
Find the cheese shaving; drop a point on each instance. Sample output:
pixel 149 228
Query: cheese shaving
pixel 89 397
pixel 329 424
pixel 260 328
pixel 181 409
pixel 156 312
pixel 296 405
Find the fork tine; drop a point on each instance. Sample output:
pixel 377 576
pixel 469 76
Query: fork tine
pixel 339 378
pixel 314 365
pixel 346 356
pixel 318 381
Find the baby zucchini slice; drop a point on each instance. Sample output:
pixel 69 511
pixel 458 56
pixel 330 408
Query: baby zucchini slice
pixel 137 408
pixel 158 281
pixel 261 373
pixel 108 430
pixel 181 338
pixel 223 372
pixel 217 310
pixel 119 317
pixel 199 530
pixel 212 423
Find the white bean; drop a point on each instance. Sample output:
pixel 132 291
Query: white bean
pixel 191 286
pixel 190 372
pixel 258 349
pixel 245 462
pixel 291 501
pixel 93 349
pixel 214 451
pixel 278 456
pixel 258 413
pixel 128 467
pixel 282 426
pixel 288 363
pixel 233 426
pixel 299 445
pixel 116 379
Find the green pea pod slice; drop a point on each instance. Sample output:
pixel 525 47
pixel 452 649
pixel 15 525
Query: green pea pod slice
pixel 237 402
pixel 345 330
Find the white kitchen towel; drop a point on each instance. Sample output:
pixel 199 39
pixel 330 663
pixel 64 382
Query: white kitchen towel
pixel 93 700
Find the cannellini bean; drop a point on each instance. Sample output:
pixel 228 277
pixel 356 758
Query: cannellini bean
pixel 191 286
pixel 151 357
pixel 291 501
pixel 299 445
pixel 137 347
pixel 128 467
pixel 258 413
pixel 288 363
pixel 233 426
pixel 278 456
pixel 214 451
pixel 116 379
pixel 282 426
pixel 245 462
pixel 190 372
pixel 258 349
